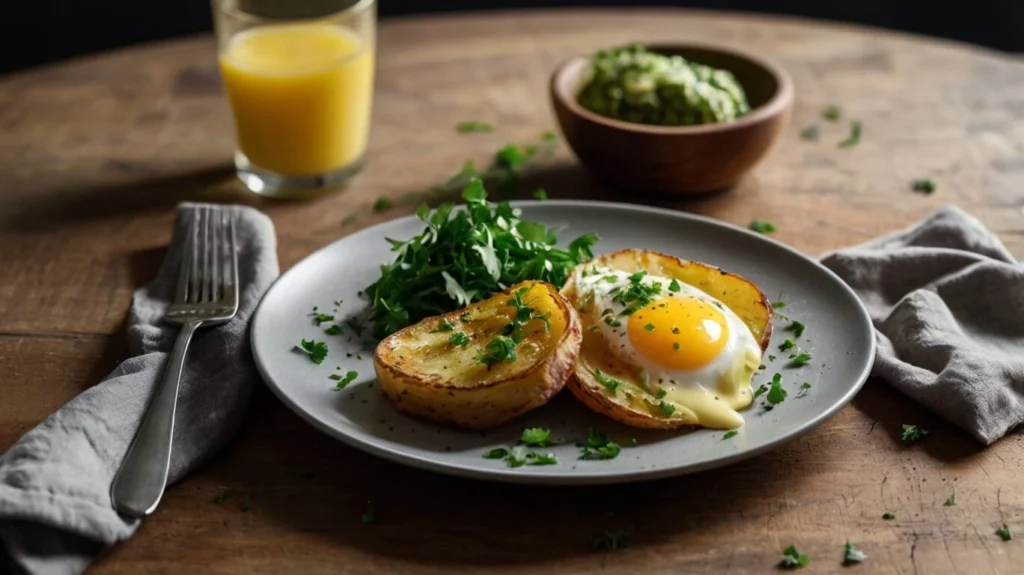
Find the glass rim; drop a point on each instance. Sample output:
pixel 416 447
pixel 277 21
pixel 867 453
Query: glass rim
pixel 354 10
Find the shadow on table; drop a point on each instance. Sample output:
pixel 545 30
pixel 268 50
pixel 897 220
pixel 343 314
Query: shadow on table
pixel 311 484
pixel 890 409
pixel 55 209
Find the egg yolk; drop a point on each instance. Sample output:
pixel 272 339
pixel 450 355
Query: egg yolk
pixel 683 333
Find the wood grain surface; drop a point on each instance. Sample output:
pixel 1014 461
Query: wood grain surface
pixel 95 153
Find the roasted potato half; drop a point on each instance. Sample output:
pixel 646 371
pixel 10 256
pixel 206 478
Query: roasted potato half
pixel 430 371
pixel 632 402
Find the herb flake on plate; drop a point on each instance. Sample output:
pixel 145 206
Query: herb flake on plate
pixel 762 226
pixel 316 350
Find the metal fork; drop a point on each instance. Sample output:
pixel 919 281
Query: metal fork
pixel 207 295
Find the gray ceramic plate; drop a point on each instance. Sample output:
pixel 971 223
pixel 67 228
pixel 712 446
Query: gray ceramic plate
pixel 838 335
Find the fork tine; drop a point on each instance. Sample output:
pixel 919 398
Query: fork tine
pixel 181 293
pixel 193 280
pixel 218 255
pixel 204 278
pixel 231 286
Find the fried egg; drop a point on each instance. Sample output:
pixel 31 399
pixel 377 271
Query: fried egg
pixel 688 348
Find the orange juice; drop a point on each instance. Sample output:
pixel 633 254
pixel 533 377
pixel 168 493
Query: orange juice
pixel 301 96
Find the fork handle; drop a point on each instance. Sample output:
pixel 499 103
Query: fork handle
pixel 139 483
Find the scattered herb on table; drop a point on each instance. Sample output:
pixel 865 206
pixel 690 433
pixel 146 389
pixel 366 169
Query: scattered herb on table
pixel 888 516
pixel 762 226
pixel 536 437
pixel 924 186
pixel 854 138
pixel 832 113
pixel 459 339
pixel 791 558
pixel 797 328
pixel 912 433
pixel 1004 533
pixel 316 350
pixel 369 514
pixel 343 381
pixel 801 359
pixel 333 330
pixel 473 127
pixel 730 434
pixel 951 500
pixel 606 380
pixel 610 541
pixel 466 256
pixel 852 555
pixel 811 133
pixel 222 495
pixel 349 220
pixel 382 204
pixel 776 393
pixel 540 194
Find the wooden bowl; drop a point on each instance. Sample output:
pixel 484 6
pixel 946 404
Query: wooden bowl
pixel 681 159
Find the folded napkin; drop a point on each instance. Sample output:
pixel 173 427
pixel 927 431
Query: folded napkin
pixel 55 510
pixel 947 302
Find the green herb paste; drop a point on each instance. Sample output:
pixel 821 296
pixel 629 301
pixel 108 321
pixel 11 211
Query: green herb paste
pixel 635 85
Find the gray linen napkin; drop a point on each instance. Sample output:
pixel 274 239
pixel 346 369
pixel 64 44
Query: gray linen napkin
pixel 55 510
pixel 947 302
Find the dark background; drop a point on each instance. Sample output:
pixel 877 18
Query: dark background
pixel 41 31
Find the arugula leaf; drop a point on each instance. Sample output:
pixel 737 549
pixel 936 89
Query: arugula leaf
pixel 606 380
pixel 499 349
pixel 497 453
pixel 459 339
pixel 316 350
pixel 924 186
pixel 797 328
pixel 776 393
pixel 888 516
pixel 912 433
pixel 536 437
pixel 811 133
pixel 852 555
pixel 832 113
pixel 1004 533
pixel 854 138
pixel 473 127
pixel 730 434
pixel 343 381
pixel 466 256
pixel 762 226
pixel 791 558
pixel 610 541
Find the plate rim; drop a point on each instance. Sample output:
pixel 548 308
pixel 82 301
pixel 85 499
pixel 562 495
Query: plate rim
pixel 522 476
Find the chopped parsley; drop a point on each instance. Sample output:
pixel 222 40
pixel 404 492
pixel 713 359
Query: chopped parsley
pixel 516 456
pixel 498 453
pixel 459 339
pixel 499 349
pixel 343 381
pixel 912 433
pixel 610 541
pixel 832 113
pixel 674 286
pixel 593 328
pixel 786 345
pixel 778 304
pixel 536 437
pixel 803 388
pixel 676 346
pixel 667 408
pixel 888 516
pixel 606 380
pixel 333 330
pixel 320 318
pixel 854 138
pixel 382 204
pixel 811 133
pixel 791 558
pixel 771 358
pixel 444 325
pixel 466 316
pixel 801 359
pixel 369 515
pixel 612 322
pixel 776 393
pixel 1004 533
pixel 730 434
pixel 924 186
pixel 661 393
pixel 852 555
pixel 533 458
pixel 637 294
pixel 760 390
pixel 540 194
pixel 473 127
pixel 797 328
pixel 951 500
pixel 649 327
pixel 598 446
pixel 473 253
pixel 762 226
pixel 316 350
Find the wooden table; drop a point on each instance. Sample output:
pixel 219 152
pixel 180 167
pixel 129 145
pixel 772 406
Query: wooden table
pixel 94 154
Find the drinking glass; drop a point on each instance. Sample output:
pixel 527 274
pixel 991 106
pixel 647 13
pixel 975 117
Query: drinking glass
pixel 299 79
